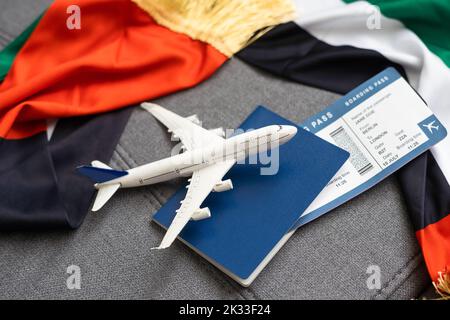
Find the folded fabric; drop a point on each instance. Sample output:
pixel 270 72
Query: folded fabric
pixel 428 19
pixel 119 57
pixel 228 25
pixel 70 146
pixel 8 54
pixel 337 46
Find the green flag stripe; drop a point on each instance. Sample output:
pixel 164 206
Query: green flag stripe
pixel 8 54
pixel 429 19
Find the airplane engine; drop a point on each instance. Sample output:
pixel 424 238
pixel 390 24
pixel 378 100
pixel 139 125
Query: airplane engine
pixel 174 137
pixel 200 214
pixel 194 119
pixel 223 186
pixel 218 132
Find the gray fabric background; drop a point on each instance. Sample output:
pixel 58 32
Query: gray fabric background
pixel 327 258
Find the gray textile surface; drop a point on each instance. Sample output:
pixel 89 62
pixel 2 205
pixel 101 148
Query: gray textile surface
pixel 16 15
pixel 328 258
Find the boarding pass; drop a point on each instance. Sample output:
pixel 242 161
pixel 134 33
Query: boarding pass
pixel 383 124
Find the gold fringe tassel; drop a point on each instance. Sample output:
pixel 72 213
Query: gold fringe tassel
pixel 228 25
pixel 442 285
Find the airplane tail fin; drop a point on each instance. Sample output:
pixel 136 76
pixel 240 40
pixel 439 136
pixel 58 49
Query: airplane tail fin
pixel 99 173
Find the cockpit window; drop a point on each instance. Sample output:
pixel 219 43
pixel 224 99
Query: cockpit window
pixel 279 129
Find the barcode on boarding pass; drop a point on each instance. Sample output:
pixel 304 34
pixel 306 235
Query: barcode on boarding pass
pixel 357 158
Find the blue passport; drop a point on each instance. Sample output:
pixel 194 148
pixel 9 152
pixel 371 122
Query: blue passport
pixel 248 224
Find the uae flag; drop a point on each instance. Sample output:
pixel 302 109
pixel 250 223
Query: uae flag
pixel 336 45
pixel 86 63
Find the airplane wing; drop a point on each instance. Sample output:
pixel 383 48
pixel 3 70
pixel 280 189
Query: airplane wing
pixel 191 135
pixel 202 183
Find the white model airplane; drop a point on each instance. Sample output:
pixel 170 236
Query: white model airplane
pixel 207 158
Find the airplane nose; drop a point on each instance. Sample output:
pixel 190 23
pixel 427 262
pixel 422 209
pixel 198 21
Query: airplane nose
pixel 292 131
pixel 288 133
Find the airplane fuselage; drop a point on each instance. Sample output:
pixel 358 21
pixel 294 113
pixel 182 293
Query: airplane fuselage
pixel 237 148
pixel 208 157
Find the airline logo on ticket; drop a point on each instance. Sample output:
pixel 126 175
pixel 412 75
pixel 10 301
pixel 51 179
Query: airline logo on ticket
pixel 383 124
